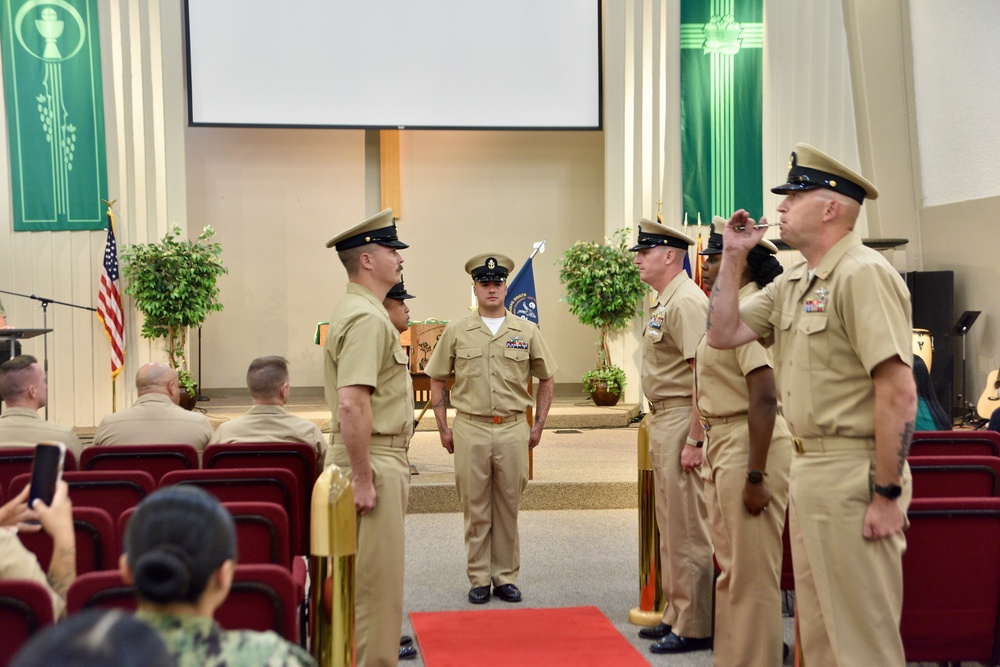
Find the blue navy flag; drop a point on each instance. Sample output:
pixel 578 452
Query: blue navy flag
pixel 521 294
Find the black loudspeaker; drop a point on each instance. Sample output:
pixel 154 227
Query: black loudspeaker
pixel 933 296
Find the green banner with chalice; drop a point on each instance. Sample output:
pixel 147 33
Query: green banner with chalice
pixel 55 113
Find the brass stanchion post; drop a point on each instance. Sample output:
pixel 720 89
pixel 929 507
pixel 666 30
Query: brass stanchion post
pixel 651 603
pixel 333 545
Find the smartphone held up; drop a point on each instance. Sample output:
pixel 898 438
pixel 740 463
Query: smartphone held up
pixel 46 471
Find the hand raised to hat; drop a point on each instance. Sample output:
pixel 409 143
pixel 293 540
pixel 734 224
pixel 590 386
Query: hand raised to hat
pixel 742 240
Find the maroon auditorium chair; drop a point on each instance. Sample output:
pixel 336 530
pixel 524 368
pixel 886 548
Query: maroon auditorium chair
pixel 955 443
pixel 96 541
pixel 955 476
pixel 25 608
pixel 157 460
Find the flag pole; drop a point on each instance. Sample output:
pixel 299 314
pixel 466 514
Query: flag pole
pixel 539 247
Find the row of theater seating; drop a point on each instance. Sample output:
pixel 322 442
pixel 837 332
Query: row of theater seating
pixel 951 568
pixel 117 477
pixel 266 488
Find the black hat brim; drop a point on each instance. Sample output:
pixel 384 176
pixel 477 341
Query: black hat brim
pixel 643 246
pixel 711 251
pixel 399 245
pixel 794 187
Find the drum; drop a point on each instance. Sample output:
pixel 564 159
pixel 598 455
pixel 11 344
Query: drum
pixel 923 346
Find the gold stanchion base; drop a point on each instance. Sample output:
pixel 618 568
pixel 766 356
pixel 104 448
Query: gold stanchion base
pixel 644 618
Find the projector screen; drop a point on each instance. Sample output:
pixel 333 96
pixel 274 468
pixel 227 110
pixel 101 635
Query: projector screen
pixel 475 64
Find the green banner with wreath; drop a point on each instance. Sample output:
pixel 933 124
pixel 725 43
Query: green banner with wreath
pixel 55 113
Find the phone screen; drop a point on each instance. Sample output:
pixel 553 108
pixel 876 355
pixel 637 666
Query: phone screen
pixel 46 471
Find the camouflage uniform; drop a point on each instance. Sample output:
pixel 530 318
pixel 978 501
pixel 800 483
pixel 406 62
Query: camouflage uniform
pixel 196 641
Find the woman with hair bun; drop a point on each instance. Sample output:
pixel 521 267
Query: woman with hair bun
pixel 180 554
pixel 748 456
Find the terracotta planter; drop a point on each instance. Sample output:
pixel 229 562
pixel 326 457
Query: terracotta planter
pixel 603 397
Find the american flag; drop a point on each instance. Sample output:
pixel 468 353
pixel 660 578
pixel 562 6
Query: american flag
pixel 109 296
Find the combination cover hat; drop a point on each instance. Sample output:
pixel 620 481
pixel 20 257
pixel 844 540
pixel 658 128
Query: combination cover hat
pixel 379 229
pixel 490 267
pixel 714 245
pixel 652 234
pixel 398 292
pixel 810 168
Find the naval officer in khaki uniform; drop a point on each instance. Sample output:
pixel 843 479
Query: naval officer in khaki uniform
pixel 841 327
pixel 155 418
pixel 25 390
pixel 267 420
pixel 676 323
pixel 493 354
pixel 748 453
pixel 367 388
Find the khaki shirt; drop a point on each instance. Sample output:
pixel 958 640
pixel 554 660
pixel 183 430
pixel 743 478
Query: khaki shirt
pixel 16 562
pixel 491 371
pixel 154 420
pixel 24 427
pixel 362 348
pixel 676 324
pixel 830 332
pixel 270 423
pixel 720 375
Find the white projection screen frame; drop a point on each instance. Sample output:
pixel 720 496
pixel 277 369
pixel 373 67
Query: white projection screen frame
pixel 448 64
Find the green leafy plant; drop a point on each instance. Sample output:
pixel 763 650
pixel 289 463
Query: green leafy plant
pixel 174 285
pixel 611 375
pixel 603 290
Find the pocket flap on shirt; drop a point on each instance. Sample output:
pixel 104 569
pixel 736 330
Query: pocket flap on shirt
pixel 812 323
pixel 401 357
pixel 469 352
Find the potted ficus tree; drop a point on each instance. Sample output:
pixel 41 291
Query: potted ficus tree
pixel 174 285
pixel 603 290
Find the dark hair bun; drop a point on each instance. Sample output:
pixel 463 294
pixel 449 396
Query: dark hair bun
pixel 163 574
pixel 765 268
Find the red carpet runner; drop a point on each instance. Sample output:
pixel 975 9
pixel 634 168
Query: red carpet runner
pixel 577 636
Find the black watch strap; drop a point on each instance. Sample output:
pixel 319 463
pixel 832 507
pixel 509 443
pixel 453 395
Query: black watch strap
pixel 890 491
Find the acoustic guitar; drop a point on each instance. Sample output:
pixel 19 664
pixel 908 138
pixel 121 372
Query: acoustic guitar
pixel 990 400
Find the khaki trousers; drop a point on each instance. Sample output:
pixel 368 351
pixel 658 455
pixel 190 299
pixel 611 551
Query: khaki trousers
pixel 491 473
pixel 848 590
pixel 681 516
pixel 748 549
pixel 379 564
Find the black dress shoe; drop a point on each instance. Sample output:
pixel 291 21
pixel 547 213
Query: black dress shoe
pixel 658 631
pixel 507 593
pixel 405 640
pixel 479 594
pixel 675 644
pixel 407 652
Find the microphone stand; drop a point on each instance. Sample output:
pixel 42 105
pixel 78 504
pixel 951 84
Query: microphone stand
pixel 45 325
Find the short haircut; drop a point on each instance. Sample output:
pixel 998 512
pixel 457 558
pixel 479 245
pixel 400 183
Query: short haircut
pixel 351 258
pixel 266 375
pixel 96 638
pixel 176 539
pixel 14 378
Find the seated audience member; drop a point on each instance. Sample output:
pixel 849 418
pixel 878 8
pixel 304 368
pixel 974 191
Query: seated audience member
pixel 24 388
pixel 267 420
pixel 16 562
pixel 155 418
pixel 180 554
pixel 930 415
pixel 96 638
pixel 994 423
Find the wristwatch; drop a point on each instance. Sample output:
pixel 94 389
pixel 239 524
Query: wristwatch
pixel 891 491
pixel 755 476
pixel 695 443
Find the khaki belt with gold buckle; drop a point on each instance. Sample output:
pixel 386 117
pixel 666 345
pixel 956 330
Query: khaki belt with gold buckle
pixel 486 419
pixel 832 444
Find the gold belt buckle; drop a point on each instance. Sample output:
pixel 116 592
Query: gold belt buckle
pixel 499 420
pixel 798 445
pixel 704 423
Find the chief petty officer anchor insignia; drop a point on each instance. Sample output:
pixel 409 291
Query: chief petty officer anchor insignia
pixel 817 305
